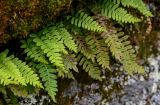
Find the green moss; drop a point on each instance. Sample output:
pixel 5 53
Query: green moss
pixel 20 17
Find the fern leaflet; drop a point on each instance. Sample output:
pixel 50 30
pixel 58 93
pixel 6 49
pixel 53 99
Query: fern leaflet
pixel 122 50
pixel 28 74
pixel 83 20
pixel 84 48
pixel 137 4
pixel 49 79
pixel 9 71
pixel 89 67
pixel 33 51
pixel 102 56
pixel 117 13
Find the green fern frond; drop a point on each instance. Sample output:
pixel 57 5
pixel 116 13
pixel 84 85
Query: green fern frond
pixel 137 4
pixel 103 58
pixel 47 73
pixel 28 74
pixel 101 52
pixel 51 48
pixel 122 50
pixel 51 42
pixel 67 38
pixel 83 20
pixel 9 72
pixel 34 52
pixel 89 67
pixel 114 11
pixel 5 78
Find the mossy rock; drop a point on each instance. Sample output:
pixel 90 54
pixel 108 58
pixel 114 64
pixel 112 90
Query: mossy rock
pixel 20 17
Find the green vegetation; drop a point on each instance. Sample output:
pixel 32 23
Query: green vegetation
pixel 85 39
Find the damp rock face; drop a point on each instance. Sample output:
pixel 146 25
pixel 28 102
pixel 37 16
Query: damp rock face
pixel 20 17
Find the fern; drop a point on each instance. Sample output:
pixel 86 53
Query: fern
pixel 122 50
pixel 81 19
pixel 51 42
pixel 137 4
pixel 89 67
pixel 51 48
pixel 47 73
pixel 29 76
pixel 70 62
pixel 9 72
pixel 99 49
pixel 33 51
pixel 84 48
pixel 14 71
pixel 67 38
pixel 117 13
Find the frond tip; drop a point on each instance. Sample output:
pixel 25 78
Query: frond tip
pixel 49 79
pixel 89 67
pixel 85 21
pixel 114 11
pixel 14 71
pixel 123 51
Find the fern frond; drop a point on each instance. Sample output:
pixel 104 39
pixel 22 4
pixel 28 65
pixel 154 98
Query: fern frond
pixel 51 48
pixel 114 11
pixel 28 74
pixel 67 38
pixel 89 67
pixel 9 72
pixel 69 75
pixel 47 73
pixel 34 52
pixel 85 21
pixel 122 50
pixel 137 4
pixel 84 48
pixel 70 62
pixel 101 52
pixel 51 42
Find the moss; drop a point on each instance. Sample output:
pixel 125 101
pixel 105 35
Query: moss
pixel 20 17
